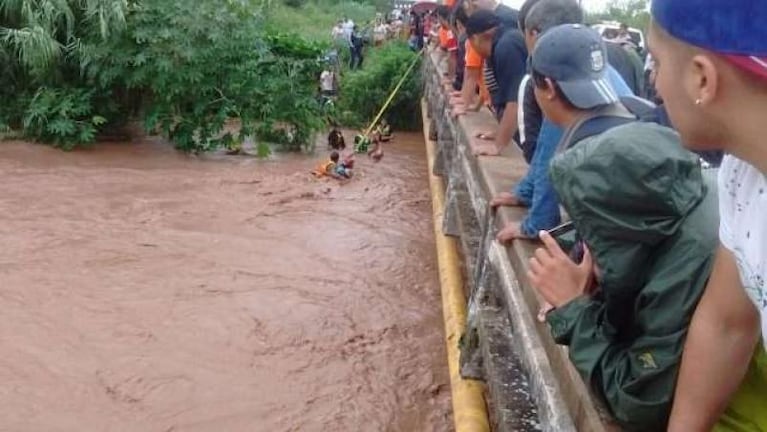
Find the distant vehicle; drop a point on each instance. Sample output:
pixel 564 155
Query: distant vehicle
pixel 610 30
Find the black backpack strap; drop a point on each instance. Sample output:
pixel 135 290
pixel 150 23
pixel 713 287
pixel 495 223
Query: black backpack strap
pixel 596 126
pixel 602 119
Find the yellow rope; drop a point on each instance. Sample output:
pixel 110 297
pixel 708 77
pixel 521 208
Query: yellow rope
pixel 393 93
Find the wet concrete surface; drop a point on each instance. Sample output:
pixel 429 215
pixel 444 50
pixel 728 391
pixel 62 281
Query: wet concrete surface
pixel 145 290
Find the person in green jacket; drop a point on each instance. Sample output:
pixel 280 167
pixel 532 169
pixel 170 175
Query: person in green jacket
pixel 647 215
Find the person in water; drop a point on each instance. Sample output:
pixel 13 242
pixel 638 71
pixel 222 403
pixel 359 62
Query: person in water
pixel 346 166
pixel 384 131
pixel 370 144
pixel 361 143
pixel 376 153
pixel 332 167
pixel 336 139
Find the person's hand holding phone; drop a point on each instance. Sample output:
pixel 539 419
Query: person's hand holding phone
pixel 556 277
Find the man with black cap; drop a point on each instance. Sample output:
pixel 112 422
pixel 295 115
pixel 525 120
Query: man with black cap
pixel 506 56
pixel 711 60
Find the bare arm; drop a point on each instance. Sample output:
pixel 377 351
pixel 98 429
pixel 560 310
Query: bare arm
pixel 508 125
pixel 720 343
pixel 469 90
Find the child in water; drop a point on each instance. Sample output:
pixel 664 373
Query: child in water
pixel 346 166
pixel 382 134
pixel 370 145
pixel 335 169
pixel 377 151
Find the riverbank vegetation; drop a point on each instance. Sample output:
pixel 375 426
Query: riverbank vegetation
pixel 313 20
pixel 363 92
pixel 71 70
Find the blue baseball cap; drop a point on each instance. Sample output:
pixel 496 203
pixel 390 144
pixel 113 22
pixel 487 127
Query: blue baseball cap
pixel 735 29
pixel 574 56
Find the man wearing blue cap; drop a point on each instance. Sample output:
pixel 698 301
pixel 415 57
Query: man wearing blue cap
pixel 711 59
pixel 534 191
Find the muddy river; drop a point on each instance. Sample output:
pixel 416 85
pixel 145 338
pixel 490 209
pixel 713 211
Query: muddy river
pixel 144 290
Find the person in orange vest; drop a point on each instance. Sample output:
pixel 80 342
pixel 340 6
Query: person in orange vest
pixel 332 167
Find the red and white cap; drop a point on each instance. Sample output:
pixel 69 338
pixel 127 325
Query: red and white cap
pixel 753 64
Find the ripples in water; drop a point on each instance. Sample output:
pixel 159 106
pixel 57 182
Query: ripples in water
pixel 147 290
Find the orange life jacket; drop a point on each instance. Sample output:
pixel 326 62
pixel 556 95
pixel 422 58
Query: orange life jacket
pixel 324 168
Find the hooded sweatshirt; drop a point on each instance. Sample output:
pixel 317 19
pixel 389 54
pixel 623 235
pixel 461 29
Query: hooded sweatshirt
pixel 639 201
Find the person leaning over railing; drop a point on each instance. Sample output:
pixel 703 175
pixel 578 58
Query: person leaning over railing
pixel 646 223
pixel 448 41
pixel 711 71
pixel 506 56
pixel 473 94
pixel 459 19
pixel 534 190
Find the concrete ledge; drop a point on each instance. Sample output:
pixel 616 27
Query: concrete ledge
pixel 497 276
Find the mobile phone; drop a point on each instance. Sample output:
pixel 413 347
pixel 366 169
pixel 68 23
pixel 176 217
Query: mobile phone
pixel 561 229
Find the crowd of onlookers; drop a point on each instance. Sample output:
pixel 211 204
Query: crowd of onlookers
pixel 656 279
pixel 348 35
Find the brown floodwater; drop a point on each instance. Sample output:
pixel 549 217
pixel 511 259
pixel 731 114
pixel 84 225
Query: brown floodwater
pixel 145 290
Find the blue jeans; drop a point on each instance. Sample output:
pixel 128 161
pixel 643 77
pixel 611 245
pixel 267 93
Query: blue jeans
pixel 535 189
pixel 356 58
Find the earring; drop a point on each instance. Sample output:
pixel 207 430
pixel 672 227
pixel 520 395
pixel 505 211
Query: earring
pixel 698 101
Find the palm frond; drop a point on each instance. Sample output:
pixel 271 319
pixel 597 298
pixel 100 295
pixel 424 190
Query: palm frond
pixel 107 15
pixel 34 46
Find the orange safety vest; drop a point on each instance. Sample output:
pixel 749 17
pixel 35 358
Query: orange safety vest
pixel 324 168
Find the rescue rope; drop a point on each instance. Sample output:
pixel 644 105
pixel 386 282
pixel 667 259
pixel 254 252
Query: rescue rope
pixel 393 93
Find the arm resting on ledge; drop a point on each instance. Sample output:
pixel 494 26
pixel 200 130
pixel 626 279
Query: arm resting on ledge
pixel 469 90
pixel 721 341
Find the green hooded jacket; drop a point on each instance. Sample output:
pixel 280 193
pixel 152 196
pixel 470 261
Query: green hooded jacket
pixel 640 203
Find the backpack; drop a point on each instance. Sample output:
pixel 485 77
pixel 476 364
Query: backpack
pixel 630 109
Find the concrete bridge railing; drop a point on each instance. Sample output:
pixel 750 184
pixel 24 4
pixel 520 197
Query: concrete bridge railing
pixel 530 381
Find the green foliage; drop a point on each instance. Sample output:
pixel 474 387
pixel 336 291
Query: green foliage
pixel 294 3
pixel 314 20
pixel 364 92
pixel 41 33
pixel 40 54
pixel 187 67
pixel 63 117
pixel 634 13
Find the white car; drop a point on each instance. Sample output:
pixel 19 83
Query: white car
pixel 610 30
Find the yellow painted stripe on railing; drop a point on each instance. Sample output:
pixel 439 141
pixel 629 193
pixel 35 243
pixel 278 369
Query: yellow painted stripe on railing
pixel 469 410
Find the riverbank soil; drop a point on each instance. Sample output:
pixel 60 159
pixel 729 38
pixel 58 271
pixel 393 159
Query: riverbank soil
pixel 145 290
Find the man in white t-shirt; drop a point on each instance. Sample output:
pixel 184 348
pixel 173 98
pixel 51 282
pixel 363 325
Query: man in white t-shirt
pixel 743 226
pixel 348 27
pixel 328 83
pixel 338 31
pixel 714 84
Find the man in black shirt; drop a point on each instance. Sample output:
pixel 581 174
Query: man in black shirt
pixel 628 64
pixel 506 56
